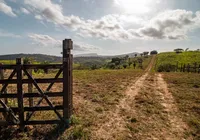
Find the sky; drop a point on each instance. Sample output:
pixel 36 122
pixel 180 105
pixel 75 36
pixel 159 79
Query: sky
pixel 106 27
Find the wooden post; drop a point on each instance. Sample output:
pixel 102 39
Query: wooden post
pixel 20 93
pixel 181 67
pixel 2 77
pixel 71 83
pixel 67 75
pixel 184 68
pixel 195 67
pixel 188 68
pixel 199 69
pixel 177 67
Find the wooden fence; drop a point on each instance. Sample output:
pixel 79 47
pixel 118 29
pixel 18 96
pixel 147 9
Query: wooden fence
pixel 16 115
pixel 188 68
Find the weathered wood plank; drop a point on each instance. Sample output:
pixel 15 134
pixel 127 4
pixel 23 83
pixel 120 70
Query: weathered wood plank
pixel 42 122
pixel 20 93
pixel 39 108
pixel 42 66
pixel 8 66
pixel 28 95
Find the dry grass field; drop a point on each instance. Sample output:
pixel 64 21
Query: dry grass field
pixel 123 104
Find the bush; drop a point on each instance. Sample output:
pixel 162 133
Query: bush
pixel 166 67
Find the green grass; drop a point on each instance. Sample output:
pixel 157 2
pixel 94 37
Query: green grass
pixel 146 61
pixel 172 58
pixel 8 61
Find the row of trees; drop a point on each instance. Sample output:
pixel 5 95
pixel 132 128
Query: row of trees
pixel 179 50
pixel 125 62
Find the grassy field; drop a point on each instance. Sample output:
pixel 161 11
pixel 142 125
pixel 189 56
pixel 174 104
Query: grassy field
pixel 95 93
pixel 186 91
pixel 171 58
pixel 147 110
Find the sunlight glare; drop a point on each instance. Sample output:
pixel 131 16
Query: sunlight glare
pixel 134 6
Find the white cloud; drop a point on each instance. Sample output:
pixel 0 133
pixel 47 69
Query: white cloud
pixel 38 17
pixel 6 9
pixel 7 34
pixel 172 24
pixel 45 40
pixel 24 10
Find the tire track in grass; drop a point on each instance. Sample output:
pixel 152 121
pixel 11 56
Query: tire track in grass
pixel 116 125
pixel 177 125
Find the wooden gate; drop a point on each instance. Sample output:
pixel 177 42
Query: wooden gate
pixel 21 76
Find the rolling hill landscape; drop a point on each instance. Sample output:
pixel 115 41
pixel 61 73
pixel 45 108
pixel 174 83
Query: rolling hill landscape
pixel 99 70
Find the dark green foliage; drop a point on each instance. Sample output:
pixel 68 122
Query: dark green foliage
pixel 145 53
pixel 116 60
pixel 125 66
pixel 166 67
pixel 153 52
pixel 178 50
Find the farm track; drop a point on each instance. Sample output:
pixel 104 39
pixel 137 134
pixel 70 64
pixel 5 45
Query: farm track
pixel 166 123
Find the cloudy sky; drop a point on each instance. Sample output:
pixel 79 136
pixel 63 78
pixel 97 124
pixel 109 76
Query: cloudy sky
pixel 106 27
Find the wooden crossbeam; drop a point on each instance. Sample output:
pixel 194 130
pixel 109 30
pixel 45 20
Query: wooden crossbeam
pixel 39 108
pixel 44 96
pixel 42 66
pixel 28 95
pixel 48 88
pixel 9 78
pixel 5 107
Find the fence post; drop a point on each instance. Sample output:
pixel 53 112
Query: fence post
pixel 67 80
pixel 2 77
pixel 177 67
pixel 199 69
pixel 195 67
pixel 181 67
pixel 188 68
pixel 20 93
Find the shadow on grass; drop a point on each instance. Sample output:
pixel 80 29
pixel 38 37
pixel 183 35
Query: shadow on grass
pixel 54 133
pixel 48 132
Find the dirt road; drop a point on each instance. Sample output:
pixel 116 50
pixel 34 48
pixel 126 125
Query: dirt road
pixel 147 111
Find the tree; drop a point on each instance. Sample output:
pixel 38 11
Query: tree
pixel 153 52
pixel 27 60
pixel 178 50
pixel 186 49
pixel 136 55
pixel 145 53
pixel 141 54
pixel 45 63
pixel 126 57
pixel 125 66
pixel 116 60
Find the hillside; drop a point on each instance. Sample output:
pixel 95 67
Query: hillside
pixel 81 58
pixel 171 59
pixel 36 57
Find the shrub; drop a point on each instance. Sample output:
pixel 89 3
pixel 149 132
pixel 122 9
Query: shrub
pixel 166 67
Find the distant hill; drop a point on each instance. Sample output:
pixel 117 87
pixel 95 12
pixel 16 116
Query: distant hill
pixel 37 57
pixel 105 56
pixel 87 55
pixel 56 59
